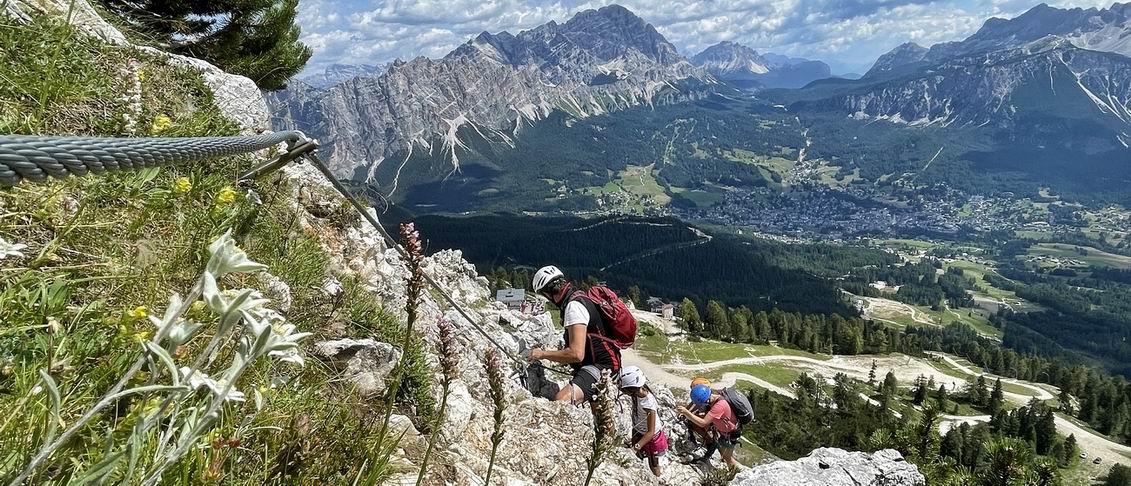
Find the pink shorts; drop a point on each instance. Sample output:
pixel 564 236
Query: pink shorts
pixel 657 447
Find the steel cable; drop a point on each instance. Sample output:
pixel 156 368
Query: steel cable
pixel 33 158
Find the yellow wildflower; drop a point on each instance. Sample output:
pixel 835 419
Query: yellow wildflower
pixel 197 307
pixel 141 336
pixel 160 124
pixel 140 74
pixel 182 185
pixel 227 196
pixel 139 312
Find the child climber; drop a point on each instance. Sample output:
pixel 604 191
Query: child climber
pixel 648 438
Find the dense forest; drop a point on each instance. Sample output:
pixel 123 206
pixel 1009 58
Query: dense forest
pixel 1100 399
pixel 1020 443
pixel 918 283
pixel 662 255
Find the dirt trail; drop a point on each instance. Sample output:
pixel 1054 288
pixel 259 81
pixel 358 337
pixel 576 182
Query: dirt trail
pixel 906 369
pixel 1040 393
pixel 658 374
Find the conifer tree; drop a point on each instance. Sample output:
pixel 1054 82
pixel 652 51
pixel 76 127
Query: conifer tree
pixel 997 398
pixel 690 315
pixel 1046 432
pixel 920 391
pixel 633 295
pixel 254 38
pixel 716 323
pixel 891 384
pixel 1069 449
pixel 1065 401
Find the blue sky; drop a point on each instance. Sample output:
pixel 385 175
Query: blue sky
pixel 848 34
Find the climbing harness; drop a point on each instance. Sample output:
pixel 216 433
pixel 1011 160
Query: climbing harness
pixel 35 158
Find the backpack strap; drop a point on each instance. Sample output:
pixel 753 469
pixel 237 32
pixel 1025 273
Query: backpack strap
pixel 594 312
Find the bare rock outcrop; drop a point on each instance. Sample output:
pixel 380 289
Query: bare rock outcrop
pixel 836 467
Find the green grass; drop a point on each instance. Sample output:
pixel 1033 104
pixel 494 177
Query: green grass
pixel 905 243
pixel 101 246
pixel 641 182
pixel 1092 257
pixel 777 375
pixel 661 350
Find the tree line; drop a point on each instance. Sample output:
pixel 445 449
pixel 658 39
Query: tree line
pixel 969 455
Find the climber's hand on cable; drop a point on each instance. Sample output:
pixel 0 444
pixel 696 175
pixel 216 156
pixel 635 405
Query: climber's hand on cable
pixel 526 352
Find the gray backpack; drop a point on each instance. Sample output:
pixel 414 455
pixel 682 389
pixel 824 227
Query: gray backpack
pixel 739 405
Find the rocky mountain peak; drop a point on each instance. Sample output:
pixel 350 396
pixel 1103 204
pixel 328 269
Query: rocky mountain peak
pixel 729 59
pixel 610 31
pixel 599 60
pixel 746 68
pixel 904 54
pixel 1106 30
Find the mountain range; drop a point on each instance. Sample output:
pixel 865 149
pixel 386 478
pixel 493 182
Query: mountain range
pixel 599 61
pixel 744 67
pixel 1048 69
pixel 1040 100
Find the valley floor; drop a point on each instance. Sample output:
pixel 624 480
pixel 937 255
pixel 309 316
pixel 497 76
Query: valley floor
pixel 672 361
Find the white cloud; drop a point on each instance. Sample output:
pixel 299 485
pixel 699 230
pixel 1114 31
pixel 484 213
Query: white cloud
pixel 849 34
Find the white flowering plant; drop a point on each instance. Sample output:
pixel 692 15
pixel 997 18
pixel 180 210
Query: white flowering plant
pixel 186 396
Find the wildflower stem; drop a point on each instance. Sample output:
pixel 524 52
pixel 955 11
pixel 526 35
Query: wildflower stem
pixel 498 398
pixel 206 422
pixel 106 400
pixel 432 437
pixel 415 259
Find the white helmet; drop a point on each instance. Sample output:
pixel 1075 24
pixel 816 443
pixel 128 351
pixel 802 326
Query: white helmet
pixel 631 377
pixel 544 276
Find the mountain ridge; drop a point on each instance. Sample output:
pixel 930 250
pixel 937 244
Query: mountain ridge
pixel 740 65
pixel 1092 28
pixel 599 61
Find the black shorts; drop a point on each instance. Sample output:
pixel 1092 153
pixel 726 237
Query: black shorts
pixel 584 378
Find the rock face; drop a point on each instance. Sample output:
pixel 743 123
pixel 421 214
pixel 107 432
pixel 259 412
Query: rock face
pixel 1050 78
pixel 600 60
pixel 904 55
pixel 1103 30
pixel 728 60
pixel 337 73
pixel 744 67
pixel 1004 88
pixel 364 362
pixel 835 467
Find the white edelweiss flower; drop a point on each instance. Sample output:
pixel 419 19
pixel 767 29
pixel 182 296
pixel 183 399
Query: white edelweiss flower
pixel 228 258
pixel 11 249
pixel 201 379
pixel 284 343
pixel 181 331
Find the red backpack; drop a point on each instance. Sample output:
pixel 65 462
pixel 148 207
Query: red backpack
pixel 620 326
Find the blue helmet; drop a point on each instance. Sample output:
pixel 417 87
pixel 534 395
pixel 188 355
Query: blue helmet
pixel 700 394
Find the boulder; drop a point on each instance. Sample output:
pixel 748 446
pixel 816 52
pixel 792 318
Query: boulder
pixel 835 467
pixel 365 362
pixel 276 289
pixel 461 407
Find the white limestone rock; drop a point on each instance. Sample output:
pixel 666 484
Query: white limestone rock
pixel 835 467
pixel 365 362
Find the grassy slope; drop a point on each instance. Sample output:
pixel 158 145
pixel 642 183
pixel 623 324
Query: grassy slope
pixel 104 250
